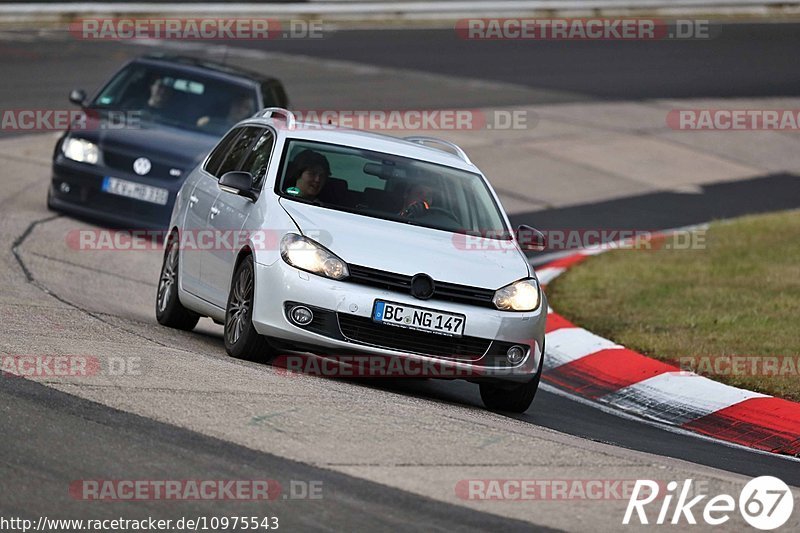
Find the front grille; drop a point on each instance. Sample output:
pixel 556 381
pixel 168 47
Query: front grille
pixel 400 282
pixel 365 330
pixel 124 162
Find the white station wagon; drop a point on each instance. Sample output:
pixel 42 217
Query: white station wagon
pixel 348 242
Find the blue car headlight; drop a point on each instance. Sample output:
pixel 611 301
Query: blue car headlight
pixel 80 150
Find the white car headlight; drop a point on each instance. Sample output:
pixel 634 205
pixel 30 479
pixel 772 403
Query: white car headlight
pixel 305 254
pixel 522 295
pixel 80 150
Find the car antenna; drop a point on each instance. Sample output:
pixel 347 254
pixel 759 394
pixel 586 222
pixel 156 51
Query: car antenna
pixel 224 54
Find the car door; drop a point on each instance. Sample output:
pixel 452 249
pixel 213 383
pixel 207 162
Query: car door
pixel 223 222
pixel 201 198
pixel 232 211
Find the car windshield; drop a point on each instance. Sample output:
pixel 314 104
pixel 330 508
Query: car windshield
pixel 179 99
pixel 389 187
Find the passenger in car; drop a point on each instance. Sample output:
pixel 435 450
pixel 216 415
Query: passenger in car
pixel 239 108
pixel 307 174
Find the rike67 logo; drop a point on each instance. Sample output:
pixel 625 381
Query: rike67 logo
pixel 765 503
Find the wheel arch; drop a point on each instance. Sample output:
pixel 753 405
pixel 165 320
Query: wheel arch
pixel 245 252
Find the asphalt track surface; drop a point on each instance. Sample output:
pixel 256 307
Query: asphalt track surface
pixel 51 425
pixel 745 60
pixel 738 60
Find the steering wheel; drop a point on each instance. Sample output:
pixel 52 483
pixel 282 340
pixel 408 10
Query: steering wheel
pixel 440 210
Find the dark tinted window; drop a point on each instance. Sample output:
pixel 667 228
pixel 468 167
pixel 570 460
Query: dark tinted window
pixel 258 157
pixel 238 149
pixel 220 151
pixel 177 98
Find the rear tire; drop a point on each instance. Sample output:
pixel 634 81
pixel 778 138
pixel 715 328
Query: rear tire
pixel 169 310
pixel 242 341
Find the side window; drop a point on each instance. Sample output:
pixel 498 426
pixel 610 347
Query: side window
pixel 237 150
pixel 258 157
pixel 219 152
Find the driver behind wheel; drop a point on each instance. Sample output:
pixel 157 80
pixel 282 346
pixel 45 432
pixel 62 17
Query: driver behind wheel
pixel 416 200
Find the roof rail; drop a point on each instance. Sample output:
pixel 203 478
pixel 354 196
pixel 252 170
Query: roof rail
pixel 457 149
pixel 288 115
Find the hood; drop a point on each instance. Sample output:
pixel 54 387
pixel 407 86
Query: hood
pixel 406 249
pixel 172 146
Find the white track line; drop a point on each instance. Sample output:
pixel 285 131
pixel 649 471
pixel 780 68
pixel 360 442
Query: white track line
pixel 666 427
pixel 677 397
pixel 570 344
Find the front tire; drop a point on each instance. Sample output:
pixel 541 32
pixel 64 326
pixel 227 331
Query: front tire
pixel 516 399
pixel 170 311
pixel 242 341
pixel 512 399
pixel 50 205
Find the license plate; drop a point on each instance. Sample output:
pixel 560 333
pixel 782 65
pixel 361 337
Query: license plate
pixel 412 317
pixel 137 191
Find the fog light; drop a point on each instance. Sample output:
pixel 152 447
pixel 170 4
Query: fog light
pixel 64 187
pixel 515 354
pixel 302 316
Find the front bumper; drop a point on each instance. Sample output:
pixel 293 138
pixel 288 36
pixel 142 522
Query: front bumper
pixel 343 303
pixel 87 199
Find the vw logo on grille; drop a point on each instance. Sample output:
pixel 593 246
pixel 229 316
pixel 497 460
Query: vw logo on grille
pixel 422 286
pixel 142 166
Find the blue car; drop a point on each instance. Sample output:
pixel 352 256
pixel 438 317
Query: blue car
pixel 154 121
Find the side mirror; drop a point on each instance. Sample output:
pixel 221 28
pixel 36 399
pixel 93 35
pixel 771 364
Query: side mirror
pixel 77 96
pixel 239 183
pixel 531 239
